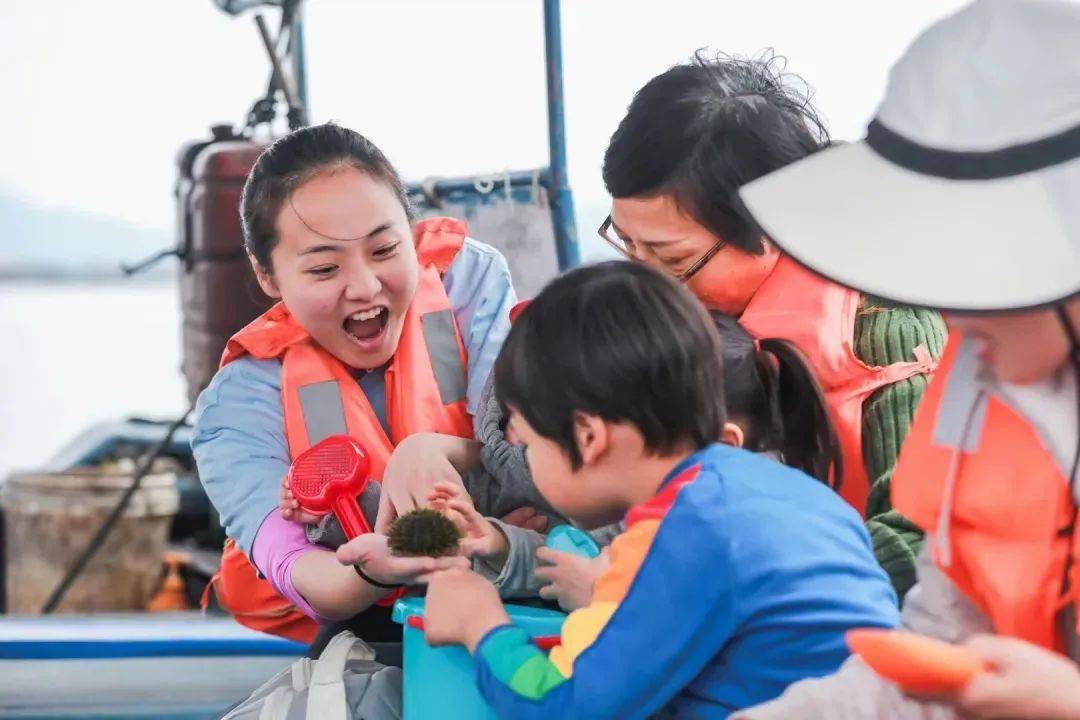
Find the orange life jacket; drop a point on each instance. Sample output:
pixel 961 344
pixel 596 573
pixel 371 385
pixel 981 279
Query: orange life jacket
pixel 818 317
pixel 976 476
pixel 425 392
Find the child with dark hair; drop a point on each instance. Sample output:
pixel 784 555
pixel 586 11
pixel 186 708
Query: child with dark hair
pixel 774 407
pixel 690 138
pixel 735 576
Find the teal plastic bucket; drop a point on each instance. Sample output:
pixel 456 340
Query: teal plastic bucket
pixel 440 683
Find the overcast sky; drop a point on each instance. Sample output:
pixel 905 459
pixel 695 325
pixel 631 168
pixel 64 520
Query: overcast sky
pixel 98 96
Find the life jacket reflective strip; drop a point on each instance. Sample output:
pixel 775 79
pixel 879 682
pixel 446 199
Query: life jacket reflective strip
pixel 996 505
pixel 818 317
pixel 425 384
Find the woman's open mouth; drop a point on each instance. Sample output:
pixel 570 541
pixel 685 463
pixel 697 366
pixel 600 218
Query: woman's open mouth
pixel 366 328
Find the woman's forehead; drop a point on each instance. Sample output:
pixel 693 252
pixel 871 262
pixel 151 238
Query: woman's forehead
pixel 654 220
pixel 342 203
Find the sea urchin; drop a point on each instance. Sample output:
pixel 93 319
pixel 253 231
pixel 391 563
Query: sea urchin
pixel 424 533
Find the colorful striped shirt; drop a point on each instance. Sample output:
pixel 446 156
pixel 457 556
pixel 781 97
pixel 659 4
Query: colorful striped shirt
pixel 737 579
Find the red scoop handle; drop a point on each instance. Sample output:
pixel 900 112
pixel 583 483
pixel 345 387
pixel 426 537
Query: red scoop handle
pixel 347 511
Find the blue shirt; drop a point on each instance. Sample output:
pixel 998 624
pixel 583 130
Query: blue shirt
pixel 239 438
pixel 752 578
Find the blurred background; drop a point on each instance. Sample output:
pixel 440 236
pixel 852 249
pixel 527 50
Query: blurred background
pixel 100 96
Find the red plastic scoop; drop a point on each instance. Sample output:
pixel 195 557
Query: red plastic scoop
pixel 915 662
pixel 328 477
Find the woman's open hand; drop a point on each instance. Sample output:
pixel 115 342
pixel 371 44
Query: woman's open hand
pixel 372 554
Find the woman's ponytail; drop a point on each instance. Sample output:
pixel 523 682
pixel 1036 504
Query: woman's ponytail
pixel 796 401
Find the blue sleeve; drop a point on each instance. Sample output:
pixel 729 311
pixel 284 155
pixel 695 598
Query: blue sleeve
pixel 479 288
pixel 678 615
pixel 239 445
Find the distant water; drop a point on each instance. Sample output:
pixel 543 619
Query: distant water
pixel 75 354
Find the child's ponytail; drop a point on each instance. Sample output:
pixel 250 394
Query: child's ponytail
pixel 797 403
pixel 772 394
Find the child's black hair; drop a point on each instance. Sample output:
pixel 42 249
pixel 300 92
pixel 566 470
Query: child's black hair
pixel 293 160
pixel 701 130
pixel 772 394
pixel 622 342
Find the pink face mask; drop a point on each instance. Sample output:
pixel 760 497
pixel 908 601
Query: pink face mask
pixel 726 282
pixel 729 281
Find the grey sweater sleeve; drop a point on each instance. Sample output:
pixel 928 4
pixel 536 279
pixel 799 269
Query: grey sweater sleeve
pixel 503 482
pixel 934 607
pixel 517 577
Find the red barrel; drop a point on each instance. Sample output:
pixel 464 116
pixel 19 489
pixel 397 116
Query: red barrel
pixel 218 291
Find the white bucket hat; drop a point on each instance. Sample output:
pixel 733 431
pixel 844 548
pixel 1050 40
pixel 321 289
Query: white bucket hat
pixel 965 193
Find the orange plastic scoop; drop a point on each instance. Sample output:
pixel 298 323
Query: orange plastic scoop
pixel 328 477
pixel 916 663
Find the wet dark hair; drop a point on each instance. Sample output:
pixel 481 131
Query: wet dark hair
pixel 700 130
pixel 772 394
pixel 293 160
pixel 620 341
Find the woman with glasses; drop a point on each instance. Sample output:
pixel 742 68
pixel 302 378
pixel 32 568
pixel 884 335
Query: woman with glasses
pixel 691 137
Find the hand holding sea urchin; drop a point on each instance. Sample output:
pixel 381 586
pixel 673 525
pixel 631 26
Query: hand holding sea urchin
pixel 423 533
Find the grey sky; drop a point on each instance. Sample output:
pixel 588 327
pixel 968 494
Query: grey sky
pixel 98 96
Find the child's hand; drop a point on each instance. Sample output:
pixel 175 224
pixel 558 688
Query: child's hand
pixel 1024 681
pixel 461 609
pixel 482 538
pixel 372 554
pixel 416 465
pixel 571 577
pixel 291 510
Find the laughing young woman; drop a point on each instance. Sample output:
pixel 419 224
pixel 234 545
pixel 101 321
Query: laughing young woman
pixel 386 330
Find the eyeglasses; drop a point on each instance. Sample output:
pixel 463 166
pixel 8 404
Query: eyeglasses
pixel 624 248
